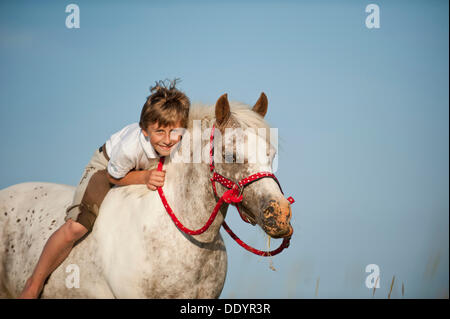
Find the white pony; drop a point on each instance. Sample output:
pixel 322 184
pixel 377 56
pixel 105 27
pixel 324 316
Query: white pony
pixel 135 250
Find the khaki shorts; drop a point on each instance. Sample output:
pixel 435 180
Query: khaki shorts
pixel 91 190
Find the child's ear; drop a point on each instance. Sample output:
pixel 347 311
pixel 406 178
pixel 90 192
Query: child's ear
pixel 144 132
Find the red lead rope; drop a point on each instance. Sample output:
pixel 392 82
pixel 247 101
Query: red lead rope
pixel 229 196
pixel 175 219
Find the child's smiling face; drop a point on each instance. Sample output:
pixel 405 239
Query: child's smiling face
pixel 163 138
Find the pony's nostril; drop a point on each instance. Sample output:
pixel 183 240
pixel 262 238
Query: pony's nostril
pixel 280 233
pixel 277 216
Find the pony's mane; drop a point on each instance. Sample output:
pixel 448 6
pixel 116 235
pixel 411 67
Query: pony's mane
pixel 242 113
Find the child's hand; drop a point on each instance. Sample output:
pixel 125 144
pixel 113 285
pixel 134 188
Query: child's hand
pixel 155 178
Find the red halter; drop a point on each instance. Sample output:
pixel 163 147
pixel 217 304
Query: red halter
pixel 232 196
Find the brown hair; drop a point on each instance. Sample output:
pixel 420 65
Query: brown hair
pixel 166 106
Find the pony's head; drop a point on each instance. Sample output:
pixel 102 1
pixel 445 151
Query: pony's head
pixel 241 149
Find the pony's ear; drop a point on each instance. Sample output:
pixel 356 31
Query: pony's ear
pixel 222 110
pixel 260 106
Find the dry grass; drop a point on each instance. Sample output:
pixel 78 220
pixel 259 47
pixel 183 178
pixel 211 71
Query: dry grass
pixel 375 286
pixel 317 286
pixel 392 285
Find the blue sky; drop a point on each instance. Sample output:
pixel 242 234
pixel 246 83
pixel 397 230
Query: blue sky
pixel 362 116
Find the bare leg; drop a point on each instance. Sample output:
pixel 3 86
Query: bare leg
pixel 55 251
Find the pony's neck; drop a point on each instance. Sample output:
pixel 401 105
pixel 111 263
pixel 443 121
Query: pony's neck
pixel 194 200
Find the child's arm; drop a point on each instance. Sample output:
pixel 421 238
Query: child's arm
pixel 152 178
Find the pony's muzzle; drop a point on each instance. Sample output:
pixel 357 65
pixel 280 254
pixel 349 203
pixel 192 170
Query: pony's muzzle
pixel 277 216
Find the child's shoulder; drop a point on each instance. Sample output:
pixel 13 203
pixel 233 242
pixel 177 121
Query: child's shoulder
pixel 128 138
pixel 133 127
pixel 130 129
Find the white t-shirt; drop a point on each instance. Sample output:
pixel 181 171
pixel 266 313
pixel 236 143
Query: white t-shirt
pixel 129 149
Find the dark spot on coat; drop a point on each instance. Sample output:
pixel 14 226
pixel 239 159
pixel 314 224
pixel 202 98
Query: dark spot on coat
pixel 12 209
pixel 18 220
pixel 6 214
pixel 270 222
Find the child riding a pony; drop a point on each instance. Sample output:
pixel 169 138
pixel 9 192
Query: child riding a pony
pixel 126 158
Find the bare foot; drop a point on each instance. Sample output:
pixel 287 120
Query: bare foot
pixel 30 291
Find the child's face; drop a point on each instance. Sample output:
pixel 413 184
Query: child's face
pixel 163 139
